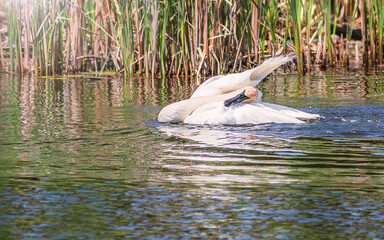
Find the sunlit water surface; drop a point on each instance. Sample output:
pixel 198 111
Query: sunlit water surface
pixel 86 159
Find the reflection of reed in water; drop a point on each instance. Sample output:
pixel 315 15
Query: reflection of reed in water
pixel 152 92
pixel 27 106
pixel 74 115
pixel 27 118
pixel 73 102
pixel 145 90
pixel 115 92
pixel 338 87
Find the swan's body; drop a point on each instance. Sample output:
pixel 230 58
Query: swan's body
pixel 233 100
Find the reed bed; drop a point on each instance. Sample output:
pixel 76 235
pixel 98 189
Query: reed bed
pixel 198 37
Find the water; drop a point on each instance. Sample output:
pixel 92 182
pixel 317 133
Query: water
pixel 86 159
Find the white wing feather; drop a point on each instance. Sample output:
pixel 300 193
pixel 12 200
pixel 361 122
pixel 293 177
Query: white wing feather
pixel 231 82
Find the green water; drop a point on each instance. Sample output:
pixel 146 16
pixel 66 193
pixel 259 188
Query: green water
pixel 86 159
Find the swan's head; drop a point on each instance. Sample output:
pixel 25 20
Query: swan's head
pixel 247 95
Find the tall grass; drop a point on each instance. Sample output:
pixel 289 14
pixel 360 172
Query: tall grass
pixel 13 36
pixel 378 7
pixel 171 37
pixel 296 9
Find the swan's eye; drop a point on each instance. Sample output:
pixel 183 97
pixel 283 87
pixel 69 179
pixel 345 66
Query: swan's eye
pixel 235 100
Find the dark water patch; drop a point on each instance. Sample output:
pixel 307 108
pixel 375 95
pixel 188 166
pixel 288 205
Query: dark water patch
pixel 164 211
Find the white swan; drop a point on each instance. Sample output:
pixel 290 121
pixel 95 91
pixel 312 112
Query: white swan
pixel 237 107
pixel 217 101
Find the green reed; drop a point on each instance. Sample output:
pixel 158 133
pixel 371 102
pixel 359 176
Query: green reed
pixel 378 7
pixel 13 40
pixel 272 18
pixel 326 7
pixel 296 8
pixel 124 29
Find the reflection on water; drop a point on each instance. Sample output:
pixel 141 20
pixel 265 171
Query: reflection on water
pixel 325 90
pixel 231 150
pixel 85 158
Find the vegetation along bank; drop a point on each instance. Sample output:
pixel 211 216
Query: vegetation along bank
pixel 198 37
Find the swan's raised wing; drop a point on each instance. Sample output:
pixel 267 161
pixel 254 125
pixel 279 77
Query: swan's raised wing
pixel 231 82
